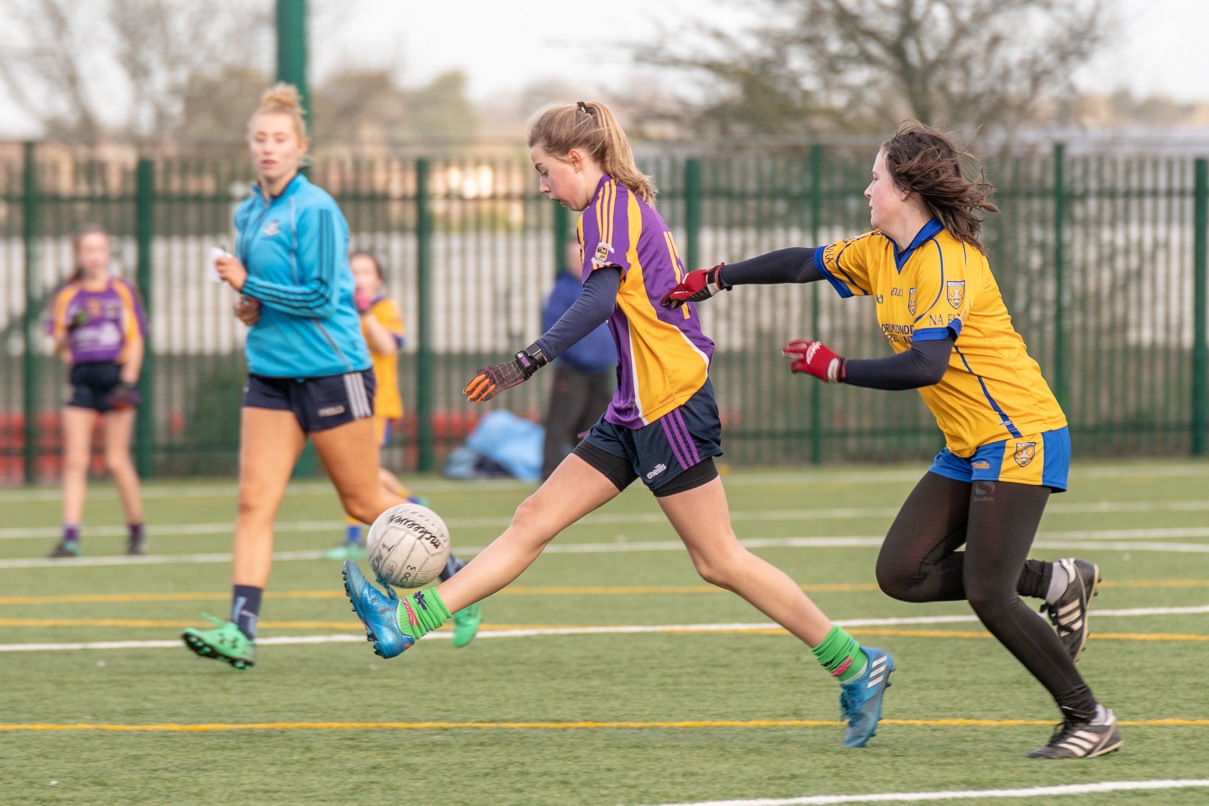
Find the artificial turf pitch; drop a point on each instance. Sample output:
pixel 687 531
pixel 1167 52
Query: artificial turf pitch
pixel 724 714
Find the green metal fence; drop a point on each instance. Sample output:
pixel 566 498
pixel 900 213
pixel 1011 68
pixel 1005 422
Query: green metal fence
pixel 1101 259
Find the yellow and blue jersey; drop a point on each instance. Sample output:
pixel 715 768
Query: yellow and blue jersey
pixel 993 390
pixel 662 355
pixel 388 404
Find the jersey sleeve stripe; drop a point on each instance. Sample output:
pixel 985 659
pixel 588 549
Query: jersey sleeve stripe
pixel 839 286
pixel 937 333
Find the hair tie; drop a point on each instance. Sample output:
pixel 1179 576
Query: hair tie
pixel 584 107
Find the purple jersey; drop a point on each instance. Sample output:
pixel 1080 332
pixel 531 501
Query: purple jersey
pixel 662 355
pixel 98 325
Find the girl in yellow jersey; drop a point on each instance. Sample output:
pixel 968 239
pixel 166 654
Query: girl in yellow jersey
pixel 662 426
pixel 1006 442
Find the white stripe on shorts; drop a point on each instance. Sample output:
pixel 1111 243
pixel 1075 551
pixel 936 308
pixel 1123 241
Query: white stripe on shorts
pixel 358 400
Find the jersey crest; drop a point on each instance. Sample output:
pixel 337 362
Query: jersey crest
pixel 911 301
pixel 955 292
pixel 272 229
pixel 602 252
pixel 1025 451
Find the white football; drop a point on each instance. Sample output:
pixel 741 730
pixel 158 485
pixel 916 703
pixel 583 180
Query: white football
pixel 408 545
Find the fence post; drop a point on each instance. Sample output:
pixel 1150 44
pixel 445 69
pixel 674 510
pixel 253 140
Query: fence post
pixel 816 228
pixel 424 365
pixel 562 226
pixel 144 204
pixel 32 229
pixel 692 214
pixel 1060 380
pixel 1200 353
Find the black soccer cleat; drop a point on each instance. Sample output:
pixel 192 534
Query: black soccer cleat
pixel 1082 739
pixel 1070 613
pixel 136 546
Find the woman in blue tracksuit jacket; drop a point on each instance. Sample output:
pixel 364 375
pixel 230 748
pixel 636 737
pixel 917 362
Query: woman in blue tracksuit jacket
pixel 309 369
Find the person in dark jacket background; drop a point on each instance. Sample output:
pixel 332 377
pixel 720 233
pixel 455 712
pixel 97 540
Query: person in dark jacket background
pixel 583 375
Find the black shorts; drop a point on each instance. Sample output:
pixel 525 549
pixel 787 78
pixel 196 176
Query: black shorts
pixel 317 403
pixel 673 454
pixel 92 386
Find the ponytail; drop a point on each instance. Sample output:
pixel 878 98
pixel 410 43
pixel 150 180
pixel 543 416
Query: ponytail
pixel 83 232
pixel 590 125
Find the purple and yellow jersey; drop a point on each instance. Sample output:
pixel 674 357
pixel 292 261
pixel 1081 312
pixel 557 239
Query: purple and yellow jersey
pixel 662 355
pixel 993 390
pixel 98 325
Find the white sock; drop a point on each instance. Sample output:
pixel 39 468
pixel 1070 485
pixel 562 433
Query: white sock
pixel 1058 581
pixel 1101 717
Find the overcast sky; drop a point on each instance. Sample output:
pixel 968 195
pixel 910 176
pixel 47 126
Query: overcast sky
pixel 504 45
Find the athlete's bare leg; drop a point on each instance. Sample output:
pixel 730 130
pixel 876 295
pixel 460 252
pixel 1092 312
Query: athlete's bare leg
pixel 701 517
pixel 574 489
pixel 349 453
pixel 270 442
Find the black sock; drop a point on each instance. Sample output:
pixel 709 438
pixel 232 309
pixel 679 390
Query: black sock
pixel 452 566
pixel 1034 579
pixel 245 608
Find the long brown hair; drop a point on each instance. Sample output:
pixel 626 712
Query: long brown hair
pixel 83 232
pixel 929 164
pixel 590 125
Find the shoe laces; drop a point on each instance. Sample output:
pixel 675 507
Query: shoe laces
pixel 394 597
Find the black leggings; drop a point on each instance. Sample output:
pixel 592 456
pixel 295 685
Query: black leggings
pixel 996 520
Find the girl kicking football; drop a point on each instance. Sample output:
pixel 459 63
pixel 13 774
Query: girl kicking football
pixel 662 426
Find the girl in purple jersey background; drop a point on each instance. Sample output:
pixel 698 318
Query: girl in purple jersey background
pixel 98 324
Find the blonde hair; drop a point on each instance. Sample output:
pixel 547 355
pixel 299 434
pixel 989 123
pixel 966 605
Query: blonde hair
pixel 590 125
pixel 281 99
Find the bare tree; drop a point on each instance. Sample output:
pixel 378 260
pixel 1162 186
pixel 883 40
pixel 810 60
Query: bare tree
pixel 75 66
pixel 865 63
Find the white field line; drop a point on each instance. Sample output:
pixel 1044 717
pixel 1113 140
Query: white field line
pixel 341 638
pixel 964 794
pixel 787 478
pixel 872 541
pixel 847 513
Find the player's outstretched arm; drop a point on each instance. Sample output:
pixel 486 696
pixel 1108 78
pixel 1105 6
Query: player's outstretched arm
pixel 794 265
pixel 923 365
pixel 590 311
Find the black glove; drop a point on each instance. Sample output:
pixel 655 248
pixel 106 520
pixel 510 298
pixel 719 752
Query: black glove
pixel 489 382
pixel 124 396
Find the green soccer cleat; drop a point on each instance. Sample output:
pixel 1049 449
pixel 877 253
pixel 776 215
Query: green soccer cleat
pixel 226 643
pixel 346 551
pixel 466 623
pixel 67 548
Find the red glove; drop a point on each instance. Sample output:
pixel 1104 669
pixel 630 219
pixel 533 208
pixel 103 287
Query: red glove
pixel 698 286
pixel 814 357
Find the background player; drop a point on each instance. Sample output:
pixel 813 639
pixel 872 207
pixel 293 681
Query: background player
pixel 382 327
pixel 583 375
pixel 1007 445
pixel 99 326
pixel 309 370
pixel 662 425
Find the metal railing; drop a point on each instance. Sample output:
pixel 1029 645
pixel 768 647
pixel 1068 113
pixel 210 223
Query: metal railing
pixel 1101 260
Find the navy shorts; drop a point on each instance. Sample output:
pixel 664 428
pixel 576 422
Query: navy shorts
pixel 318 403
pixel 92 386
pixel 659 452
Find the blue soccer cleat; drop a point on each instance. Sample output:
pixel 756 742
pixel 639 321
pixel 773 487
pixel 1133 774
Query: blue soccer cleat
pixel 861 699
pixel 378 613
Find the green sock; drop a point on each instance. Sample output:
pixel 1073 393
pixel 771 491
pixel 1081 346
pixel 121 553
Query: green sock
pixel 841 655
pixel 421 612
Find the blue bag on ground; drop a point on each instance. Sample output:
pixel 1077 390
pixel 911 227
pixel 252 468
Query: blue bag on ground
pixel 507 440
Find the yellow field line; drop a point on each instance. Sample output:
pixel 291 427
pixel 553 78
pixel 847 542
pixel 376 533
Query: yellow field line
pixel 759 723
pixel 352 625
pixel 518 590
